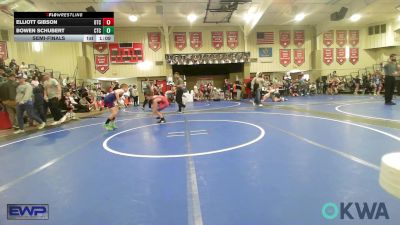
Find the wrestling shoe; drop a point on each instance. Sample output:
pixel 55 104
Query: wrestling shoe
pixel 108 127
pixel 113 125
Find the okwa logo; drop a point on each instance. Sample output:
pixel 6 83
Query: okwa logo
pixel 355 210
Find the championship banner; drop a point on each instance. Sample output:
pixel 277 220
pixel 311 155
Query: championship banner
pixel 196 40
pixel 328 38
pixel 217 39
pixel 284 38
pixel 341 37
pixel 154 39
pixel 101 62
pixel 299 56
pixel 328 56
pixel 299 38
pixel 3 50
pixel 232 39
pixel 285 56
pixel 100 46
pixel 354 55
pixel 340 55
pixel 180 40
pixel 354 37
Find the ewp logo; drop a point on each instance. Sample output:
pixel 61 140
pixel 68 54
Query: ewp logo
pixel 375 211
pixel 27 212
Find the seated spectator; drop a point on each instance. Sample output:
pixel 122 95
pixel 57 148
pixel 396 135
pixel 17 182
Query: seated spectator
pixel 313 89
pixel 24 68
pixel 13 65
pixel 69 104
pixel 86 102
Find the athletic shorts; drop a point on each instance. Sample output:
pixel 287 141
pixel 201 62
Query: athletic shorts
pixel 109 104
pixel 164 103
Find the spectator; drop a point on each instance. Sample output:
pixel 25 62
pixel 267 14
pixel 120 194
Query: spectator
pixel 86 102
pixel 52 94
pixel 2 64
pixel 39 105
pixel 7 96
pixel 25 103
pixel 24 68
pixel 13 64
pixel 3 76
pixel 69 103
pixel 135 95
pixel 357 82
pixel 238 88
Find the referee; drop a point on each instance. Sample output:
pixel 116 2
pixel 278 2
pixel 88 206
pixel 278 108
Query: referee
pixel 180 86
pixel 391 71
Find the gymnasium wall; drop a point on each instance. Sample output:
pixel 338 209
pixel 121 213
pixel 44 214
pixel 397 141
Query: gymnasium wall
pixel 366 57
pixel 131 70
pixel 206 36
pixel 60 57
pixel 64 57
pixel 274 65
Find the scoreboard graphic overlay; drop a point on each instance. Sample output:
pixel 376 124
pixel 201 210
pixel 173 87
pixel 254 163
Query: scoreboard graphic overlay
pixel 64 26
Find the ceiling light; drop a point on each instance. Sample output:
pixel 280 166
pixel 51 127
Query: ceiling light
pixel 355 17
pixel 133 18
pixel 299 17
pixel 191 18
pixel 248 17
pixel 398 18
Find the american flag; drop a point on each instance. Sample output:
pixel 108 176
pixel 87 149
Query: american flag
pixel 265 38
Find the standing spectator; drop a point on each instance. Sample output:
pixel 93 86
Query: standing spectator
pixel 391 71
pixel 7 96
pixel 196 93
pixel 52 94
pixel 378 82
pixel 116 86
pixel 25 103
pixel 180 86
pixel 238 91
pixel 39 106
pixel 135 95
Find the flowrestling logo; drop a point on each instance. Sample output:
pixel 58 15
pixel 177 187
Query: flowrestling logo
pixel 27 211
pixel 355 210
